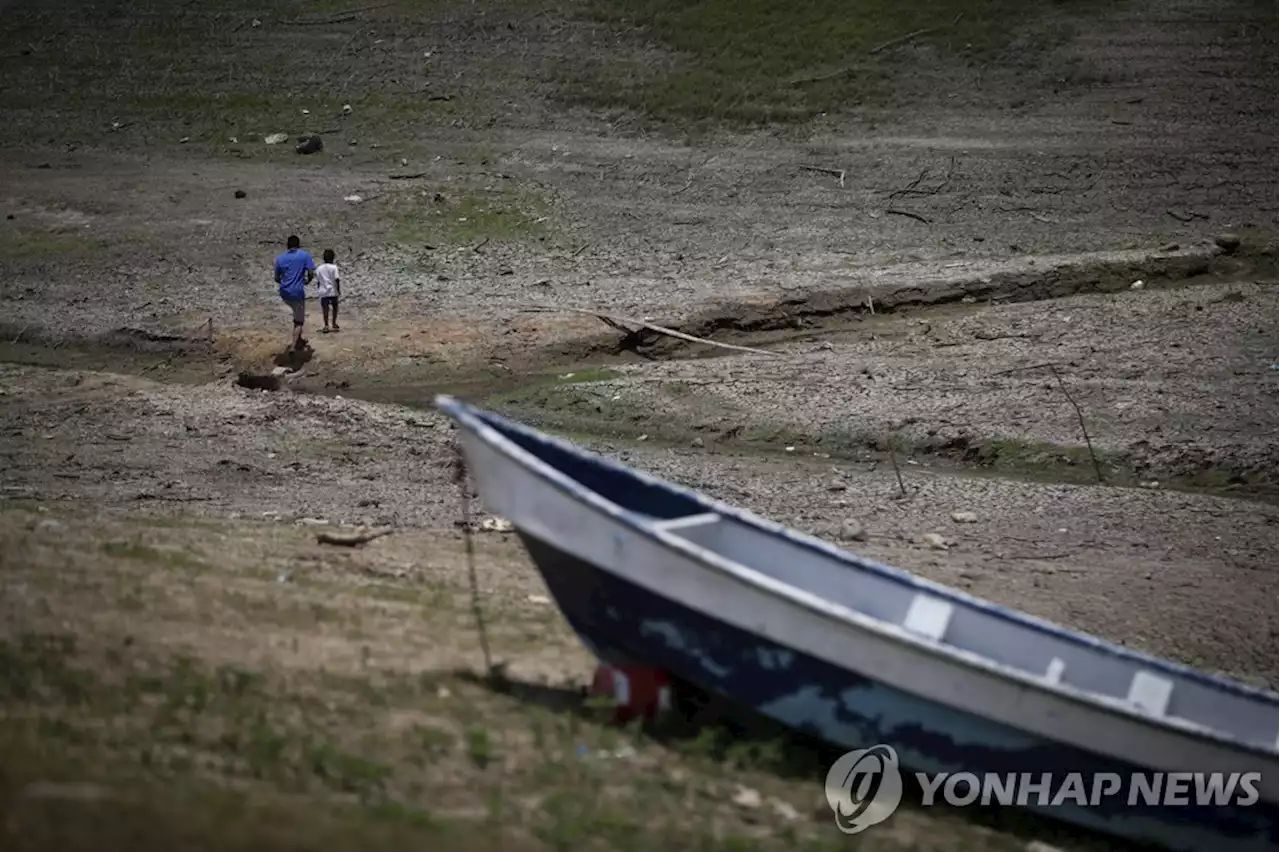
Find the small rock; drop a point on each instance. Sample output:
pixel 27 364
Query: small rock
pixel 745 797
pixel 696 442
pixel 346 109
pixel 1227 242
pixel 933 541
pixel 1137 285
pixel 184 140
pixel 367 502
pixel 404 161
pixel 496 525
pixel 312 145
pixel 1041 846
pixel 539 599
pixel 785 811
pixel 964 517
pixel 354 199
pixel 1152 484
pixel 852 530
pixel 240 193
pixel 276 138
pixel 279 371
pixel 789 449
pixel 443 692
pixel 312 522
pixel 1170 247
pixel 837 485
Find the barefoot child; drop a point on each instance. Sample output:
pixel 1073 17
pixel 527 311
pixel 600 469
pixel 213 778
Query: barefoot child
pixel 329 286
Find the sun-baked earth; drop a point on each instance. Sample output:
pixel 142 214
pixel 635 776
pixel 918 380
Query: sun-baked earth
pixel 1010 269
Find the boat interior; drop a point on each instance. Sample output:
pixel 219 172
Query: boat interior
pixel 1054 656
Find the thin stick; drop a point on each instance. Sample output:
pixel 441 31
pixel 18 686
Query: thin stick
pixel 614 319
pixel 836 173
pixel 894 212
pixel 460 477
pixel 900 40
pixel 893 459
pixel 1097 468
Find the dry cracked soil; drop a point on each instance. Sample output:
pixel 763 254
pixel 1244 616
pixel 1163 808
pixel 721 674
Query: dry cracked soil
pixel 1009 272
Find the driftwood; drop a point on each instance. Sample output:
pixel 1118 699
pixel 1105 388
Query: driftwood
pixel 351 539
pixel 616 321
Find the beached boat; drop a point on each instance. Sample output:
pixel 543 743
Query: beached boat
pixel 861 654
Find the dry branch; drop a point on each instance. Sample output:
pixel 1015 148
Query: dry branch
pixel 620 323
pixel 352 539
pixel 1097 468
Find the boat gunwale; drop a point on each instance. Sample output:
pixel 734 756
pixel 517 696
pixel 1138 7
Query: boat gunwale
pixel 486 426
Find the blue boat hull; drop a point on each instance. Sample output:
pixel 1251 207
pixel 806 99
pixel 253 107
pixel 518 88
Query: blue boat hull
pixel 622 621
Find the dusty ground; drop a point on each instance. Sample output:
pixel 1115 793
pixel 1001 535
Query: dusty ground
pixel 176 641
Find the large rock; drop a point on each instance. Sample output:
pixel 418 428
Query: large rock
pixel 310 145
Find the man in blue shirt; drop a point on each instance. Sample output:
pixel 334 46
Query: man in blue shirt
pixel 294 271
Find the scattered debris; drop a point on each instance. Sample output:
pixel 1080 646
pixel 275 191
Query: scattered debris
pixel 352 539
pixel 496 525
pixel 964 517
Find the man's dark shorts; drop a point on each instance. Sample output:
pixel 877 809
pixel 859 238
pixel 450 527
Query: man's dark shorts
pixel 299 308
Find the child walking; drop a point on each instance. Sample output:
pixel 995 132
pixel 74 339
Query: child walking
pixel 329 286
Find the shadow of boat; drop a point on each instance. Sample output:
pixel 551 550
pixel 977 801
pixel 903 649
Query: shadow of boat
pixel 712 728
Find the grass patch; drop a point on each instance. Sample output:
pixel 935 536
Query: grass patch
pixel 769 60
pixel 469 218
pixel 134 551
pixel 35 246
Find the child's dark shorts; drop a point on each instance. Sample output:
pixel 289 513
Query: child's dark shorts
pixel 328 301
